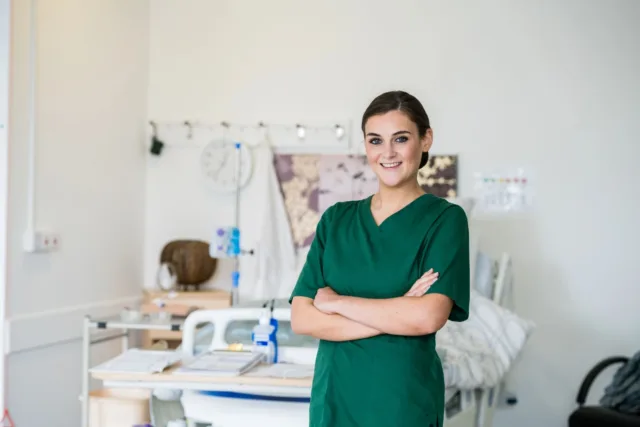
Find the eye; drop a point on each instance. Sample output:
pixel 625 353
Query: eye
pixel 375 141
pixel 402 139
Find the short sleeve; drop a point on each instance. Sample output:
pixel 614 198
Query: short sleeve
pixel 448 254
pixel 311 277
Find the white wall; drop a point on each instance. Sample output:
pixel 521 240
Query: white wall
pixel 551 86
pixel 91 112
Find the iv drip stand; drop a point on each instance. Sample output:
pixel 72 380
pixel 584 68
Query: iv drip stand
pixel 235 276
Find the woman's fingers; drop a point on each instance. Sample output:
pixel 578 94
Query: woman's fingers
pixel 427 279
pixel 423 283
pixel 427 273
pixel 426 285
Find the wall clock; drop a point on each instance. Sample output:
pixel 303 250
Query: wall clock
pixel 219 161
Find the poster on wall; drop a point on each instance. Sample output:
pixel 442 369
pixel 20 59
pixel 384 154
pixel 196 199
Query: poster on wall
pixel 310 183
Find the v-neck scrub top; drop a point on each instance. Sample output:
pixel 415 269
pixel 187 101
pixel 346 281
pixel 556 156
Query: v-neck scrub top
pixel 386 380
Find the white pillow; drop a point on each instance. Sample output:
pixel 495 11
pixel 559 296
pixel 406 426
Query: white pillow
pixel 504 331
pixel 480 351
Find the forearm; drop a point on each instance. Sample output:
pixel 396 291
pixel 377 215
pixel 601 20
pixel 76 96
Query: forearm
pixel 334 327
pixel 308 320
pixel 397 316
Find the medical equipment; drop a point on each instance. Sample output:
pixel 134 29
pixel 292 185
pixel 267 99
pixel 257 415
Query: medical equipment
pixel 264 338
pixel 229 176
pixel 129 315
pixel 232 327
pixel 473 372
pixel 226 240
pixel 222 407
pixel 225 243
pixel 503 192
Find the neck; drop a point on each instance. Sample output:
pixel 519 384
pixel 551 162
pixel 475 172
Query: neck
pixel 397 197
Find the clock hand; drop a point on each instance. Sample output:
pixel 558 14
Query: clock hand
pixel 222 164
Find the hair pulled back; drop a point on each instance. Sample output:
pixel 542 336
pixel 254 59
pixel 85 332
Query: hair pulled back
pixel 400 101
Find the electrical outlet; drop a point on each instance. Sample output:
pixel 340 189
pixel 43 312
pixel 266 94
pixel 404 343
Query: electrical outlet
pixel 41 241
pixel 47 241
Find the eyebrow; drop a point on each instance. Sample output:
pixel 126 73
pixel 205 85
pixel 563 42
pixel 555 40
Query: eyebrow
pixel 394 134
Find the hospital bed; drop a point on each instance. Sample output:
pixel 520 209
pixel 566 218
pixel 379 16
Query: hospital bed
pixel 282 398
pixel 273 405
pixel 472 405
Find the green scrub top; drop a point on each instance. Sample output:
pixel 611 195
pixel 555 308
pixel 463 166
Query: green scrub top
pixel 386 380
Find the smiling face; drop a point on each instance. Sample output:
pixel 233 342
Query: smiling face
pixel 394 147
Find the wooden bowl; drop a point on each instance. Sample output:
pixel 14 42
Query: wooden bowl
pixel 191 261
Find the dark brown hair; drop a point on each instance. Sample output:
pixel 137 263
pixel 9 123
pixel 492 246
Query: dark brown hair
pixel 400 101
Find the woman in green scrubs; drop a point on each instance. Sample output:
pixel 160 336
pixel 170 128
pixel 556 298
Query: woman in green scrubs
pixel 382 276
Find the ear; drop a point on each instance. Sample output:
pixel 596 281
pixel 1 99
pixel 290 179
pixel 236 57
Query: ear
pixel 427 140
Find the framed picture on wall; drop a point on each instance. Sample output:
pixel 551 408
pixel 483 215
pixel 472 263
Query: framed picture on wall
pixel 310 183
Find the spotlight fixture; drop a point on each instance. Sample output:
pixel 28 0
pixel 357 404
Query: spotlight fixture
pixel 156 144
pixel 301 131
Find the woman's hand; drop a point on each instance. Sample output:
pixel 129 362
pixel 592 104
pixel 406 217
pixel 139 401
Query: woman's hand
pixel 327 297
pixel 422 284
pixel 324 300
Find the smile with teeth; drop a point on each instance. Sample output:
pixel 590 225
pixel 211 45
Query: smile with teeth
pixel 390 165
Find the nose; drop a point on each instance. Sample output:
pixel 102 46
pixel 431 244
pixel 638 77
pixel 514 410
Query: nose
pixel 389 150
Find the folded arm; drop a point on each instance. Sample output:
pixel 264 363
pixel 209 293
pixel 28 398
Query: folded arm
pixel 396 316
pixel 447 251
pixel 308 320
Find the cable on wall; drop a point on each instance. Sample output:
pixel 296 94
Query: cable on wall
pixel 29 236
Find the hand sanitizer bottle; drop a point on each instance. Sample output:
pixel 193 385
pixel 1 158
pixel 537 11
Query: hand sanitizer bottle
pixel 264 338
pixel 274 323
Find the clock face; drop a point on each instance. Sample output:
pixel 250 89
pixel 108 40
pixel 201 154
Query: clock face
pixel 219 163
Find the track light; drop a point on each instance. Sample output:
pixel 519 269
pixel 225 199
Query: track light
pixel 301 131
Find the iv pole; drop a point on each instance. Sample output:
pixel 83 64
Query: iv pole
pixel 235 276
pixel 234 248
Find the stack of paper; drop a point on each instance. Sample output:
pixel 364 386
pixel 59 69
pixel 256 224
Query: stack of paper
pixel 222 363
pixel 139 361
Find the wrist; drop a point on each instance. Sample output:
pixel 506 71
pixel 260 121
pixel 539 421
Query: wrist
pixel 338 303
